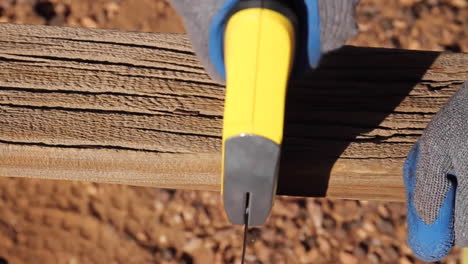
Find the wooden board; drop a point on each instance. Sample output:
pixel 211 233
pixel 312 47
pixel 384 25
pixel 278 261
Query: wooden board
pixel 138 108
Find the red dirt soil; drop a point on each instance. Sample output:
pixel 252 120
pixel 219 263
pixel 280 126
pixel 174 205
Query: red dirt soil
pixel 72 223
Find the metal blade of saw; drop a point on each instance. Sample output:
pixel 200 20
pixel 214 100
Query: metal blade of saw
pixel 246 225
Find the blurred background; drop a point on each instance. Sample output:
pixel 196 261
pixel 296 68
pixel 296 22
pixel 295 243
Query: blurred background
pixel 70 222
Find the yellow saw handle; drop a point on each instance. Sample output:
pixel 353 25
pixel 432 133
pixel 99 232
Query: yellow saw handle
pixel 259 47
pixel 259 51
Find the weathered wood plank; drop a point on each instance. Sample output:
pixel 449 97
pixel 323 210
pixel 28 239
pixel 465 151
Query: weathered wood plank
pixel 138 108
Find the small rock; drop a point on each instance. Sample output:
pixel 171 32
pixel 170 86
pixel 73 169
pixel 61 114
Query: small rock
pixel 142 237
pixel 385 226
pixel 324 245
pixel 112 9
pixel 361 234
pixel 383 211
pixel 370 228
pixel 316 214
pixel 329 222
pixel 193 245
pixel 405 260
pixel 374 258
pixel 392 252
pixel 73 260
pixel 162 239
pixel 88 22
pixel 459 3
pixel 347 258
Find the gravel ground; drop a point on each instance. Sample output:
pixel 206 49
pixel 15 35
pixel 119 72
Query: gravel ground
pixel 72 223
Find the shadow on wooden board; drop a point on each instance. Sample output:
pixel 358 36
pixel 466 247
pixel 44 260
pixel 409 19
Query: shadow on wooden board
pixel 323 117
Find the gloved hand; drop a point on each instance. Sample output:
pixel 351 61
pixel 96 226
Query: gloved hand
pixel 325 25
pixel 436 180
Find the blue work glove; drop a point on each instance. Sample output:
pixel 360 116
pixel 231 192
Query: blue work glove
pixel 436 180
pixel 324 25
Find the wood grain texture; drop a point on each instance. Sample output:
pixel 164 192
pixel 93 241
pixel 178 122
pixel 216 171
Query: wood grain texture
pixel 138 108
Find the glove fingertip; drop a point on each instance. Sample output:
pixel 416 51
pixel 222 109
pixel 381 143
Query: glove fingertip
pixel 432 242
pixel 429 242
